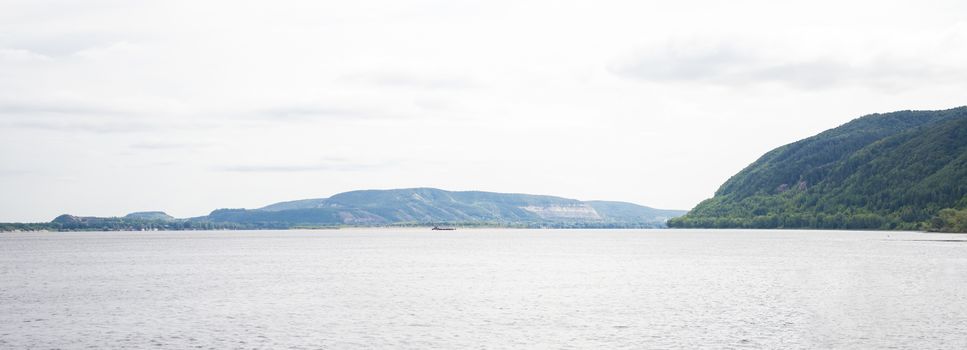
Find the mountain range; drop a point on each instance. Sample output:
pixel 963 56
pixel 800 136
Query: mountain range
pixel 430 205
pixel 396 207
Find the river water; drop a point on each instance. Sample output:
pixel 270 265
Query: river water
pixel 483 289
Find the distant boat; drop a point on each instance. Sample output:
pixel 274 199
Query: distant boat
pixel 438 228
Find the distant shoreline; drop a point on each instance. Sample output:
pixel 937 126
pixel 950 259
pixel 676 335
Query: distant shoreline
pixel 4 227
pixel 429 228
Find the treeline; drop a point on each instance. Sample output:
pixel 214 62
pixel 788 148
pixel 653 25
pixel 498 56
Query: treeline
pixel 864 221
pixel 532 225
pixel 779 212
pixel 136 225
pixel 949 220
pixel 121 224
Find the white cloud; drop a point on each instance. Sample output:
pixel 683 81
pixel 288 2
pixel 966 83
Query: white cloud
pixel 22 55
pixel 723 64
pixel 321 166
pixel 410 81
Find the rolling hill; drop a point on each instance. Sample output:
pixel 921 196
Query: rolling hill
pixel 397 207
pixel 430 205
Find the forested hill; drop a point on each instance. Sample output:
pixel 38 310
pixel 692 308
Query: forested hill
pixel 901 170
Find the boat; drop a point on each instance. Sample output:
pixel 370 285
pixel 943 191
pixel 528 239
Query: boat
pixel 438 228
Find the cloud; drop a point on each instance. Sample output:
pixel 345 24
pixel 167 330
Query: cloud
pixel 108 50
pixel 22 55
pixel 405 80
pixel 354 108
pixel 70 116
pixel 98 124
pixel 105 125
pixel 168 145
pixel 731 66
pixel 677 63
pixel 333 164
pixel 15 172
pixel 60 46
pixel 54 108
pixel 313 112
pixel 99 127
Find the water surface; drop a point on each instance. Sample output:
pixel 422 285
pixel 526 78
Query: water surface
pixel 493 289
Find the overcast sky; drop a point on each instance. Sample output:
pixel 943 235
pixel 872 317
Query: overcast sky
pixel 109 107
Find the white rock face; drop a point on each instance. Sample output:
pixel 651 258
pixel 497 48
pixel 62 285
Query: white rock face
pixel 582 211
pixel 348 217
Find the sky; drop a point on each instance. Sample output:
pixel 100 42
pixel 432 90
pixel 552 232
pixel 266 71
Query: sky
pixel 111 107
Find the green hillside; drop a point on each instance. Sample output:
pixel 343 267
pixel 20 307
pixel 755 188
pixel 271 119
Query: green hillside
pixel 296 204
pixel 149 215
pixel 882 171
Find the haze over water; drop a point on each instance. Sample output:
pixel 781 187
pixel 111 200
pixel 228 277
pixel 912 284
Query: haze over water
pixel 413 288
